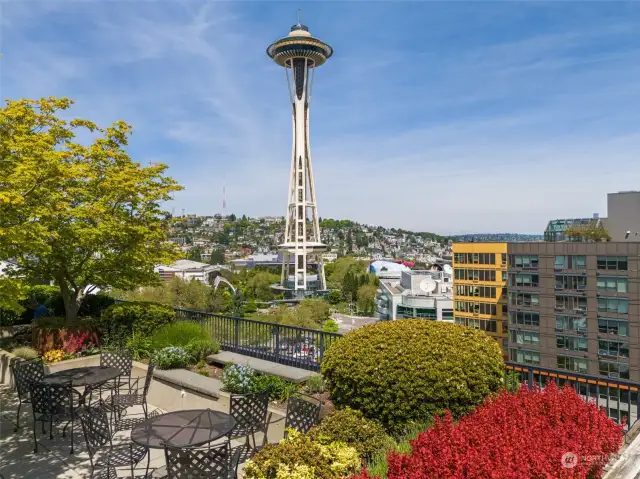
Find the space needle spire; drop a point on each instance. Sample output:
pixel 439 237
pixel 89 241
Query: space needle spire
pixel 300 54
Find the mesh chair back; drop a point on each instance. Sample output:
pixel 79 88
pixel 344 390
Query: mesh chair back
pixel 303 413
pixel 51 400
pixel 250 411
pixel 123 360
pixel 214 462
pixel 26 373
pixel 95 427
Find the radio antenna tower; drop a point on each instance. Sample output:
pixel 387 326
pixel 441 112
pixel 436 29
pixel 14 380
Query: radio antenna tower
pixel 224 200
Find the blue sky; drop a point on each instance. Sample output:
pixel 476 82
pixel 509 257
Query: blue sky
pixel 435 116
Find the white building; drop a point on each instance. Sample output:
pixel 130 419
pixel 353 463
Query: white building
pixel 416 294
pixel 329 257
pixel 187 270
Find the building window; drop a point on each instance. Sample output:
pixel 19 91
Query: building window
pixel 573 282
pixel 612 284
pixel 519 298
pixel 579 365
pixel 612 263
pixel 525 337
pixel 504 276
pixel 475 258
pixel 523 261
pixel 428 313
pixel 571 303
pixel 525 280
pixel 572 343
pixel 617 349
pixel 571 323
pixel 405 312
pixel 503 259
pixel 475 308
pixel 613 305
pixel 524 356
pixel 524 318
pixel 613 326
pixel 570 262
pixel 479 291
pixel 613 369
pixel 447 314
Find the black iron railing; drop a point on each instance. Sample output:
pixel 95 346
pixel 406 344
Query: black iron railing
pixel 288 345
pixel 618 397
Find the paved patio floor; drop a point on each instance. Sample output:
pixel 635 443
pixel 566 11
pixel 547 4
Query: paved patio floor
pixel 18 460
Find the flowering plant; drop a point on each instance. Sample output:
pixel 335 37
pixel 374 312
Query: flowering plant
pixel 171 357
pixel 53 356
pixel 76 343
pixel 529 433
pixel 238 378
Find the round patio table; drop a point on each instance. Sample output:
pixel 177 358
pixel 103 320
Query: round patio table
pixel 189 428
pixel 89 376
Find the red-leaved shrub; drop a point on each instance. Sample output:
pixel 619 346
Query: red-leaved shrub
pixel 549 433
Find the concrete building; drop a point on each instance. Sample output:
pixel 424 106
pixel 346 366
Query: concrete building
pixel 480 292
pixel 576 307
pixel 300 54
pixel 416 294
pixel 187 270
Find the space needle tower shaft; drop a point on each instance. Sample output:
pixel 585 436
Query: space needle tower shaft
pixel 300 54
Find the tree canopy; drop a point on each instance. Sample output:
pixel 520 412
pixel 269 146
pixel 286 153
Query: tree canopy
pixel 82 216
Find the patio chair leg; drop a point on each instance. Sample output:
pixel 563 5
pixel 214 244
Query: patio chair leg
pixel 18 417
pixel 35 438
pixel 144 408
pixel 51 429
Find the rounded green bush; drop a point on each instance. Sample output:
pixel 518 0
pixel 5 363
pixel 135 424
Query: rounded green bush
pixel 135 317
pixel 349 426
pixel 405 371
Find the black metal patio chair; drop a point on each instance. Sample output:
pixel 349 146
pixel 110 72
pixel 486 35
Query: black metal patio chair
pixel 213 462
pixel 251 412
pixel 135 394
pixel 303 412
pixel 26 373
pixel 121 359
pixel 53 404
pixel 102 453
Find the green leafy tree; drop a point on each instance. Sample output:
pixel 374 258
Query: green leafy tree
pixel 330 326
pixel 334 296
pixel 258 286
pixel 217 257
pixel 83 216
pixel 195 253
pixel 316 310
pixel 366 298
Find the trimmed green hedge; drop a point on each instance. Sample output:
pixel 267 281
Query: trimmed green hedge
pixel 349 426
pixel 134 317
pixel 405 371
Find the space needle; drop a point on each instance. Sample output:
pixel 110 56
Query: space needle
pixel 300 54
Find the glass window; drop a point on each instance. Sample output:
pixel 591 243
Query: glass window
pixel 608 347
pixel 612 263
pixel 520 298
pixel 613 305
pixel 614 369
pixel 613 326
pixel 613 284
pixel 524 356
pixel 525 318
pixel 571 323
pixel 572 343
pixel 525 337
pixel 569 363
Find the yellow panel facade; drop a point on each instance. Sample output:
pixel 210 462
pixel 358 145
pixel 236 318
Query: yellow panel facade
pixel 480 288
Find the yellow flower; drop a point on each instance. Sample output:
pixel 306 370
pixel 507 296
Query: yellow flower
pixel 53 356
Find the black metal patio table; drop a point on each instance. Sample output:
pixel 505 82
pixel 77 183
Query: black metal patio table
pixel 79 377
pixel 190 428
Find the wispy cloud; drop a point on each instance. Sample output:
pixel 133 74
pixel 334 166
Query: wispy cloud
pixel 431 116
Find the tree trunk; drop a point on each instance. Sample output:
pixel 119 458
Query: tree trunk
pixel 71 298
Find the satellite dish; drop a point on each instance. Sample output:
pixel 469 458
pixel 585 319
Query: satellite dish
pixel 427 285
pixel 448 269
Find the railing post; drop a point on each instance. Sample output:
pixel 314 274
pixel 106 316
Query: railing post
pixel 277 342
pixel 321 355
pixel 236 338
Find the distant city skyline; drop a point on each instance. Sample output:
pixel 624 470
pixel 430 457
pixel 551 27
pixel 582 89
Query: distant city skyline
pixel 446 117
